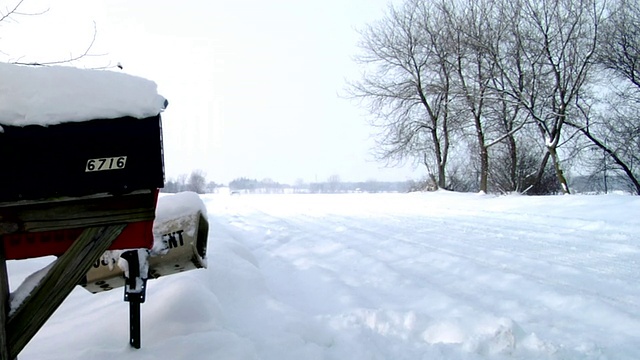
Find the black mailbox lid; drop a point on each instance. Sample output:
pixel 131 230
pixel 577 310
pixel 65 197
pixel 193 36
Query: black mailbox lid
pixel 81 158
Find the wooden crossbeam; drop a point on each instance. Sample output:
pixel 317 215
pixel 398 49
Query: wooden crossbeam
pixel 56 285
pixel 83 212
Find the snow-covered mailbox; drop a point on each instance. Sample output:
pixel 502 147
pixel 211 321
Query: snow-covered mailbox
pixel 82 163
pixel 180 232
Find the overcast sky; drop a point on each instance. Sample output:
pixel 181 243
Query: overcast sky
pixel 253 86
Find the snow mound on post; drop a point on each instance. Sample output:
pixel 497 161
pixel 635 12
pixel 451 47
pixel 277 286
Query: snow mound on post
pixel 31 95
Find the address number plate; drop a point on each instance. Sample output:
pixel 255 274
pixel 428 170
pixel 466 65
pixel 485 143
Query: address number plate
pixel 112 163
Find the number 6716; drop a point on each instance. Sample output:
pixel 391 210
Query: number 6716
pixel 111 163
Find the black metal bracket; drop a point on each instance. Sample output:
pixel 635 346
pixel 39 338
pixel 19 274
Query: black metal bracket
pixel 135 289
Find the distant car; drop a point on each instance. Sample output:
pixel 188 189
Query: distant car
pixel 235 192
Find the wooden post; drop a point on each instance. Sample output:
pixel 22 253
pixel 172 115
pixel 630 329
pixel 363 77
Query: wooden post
pixel 4 304
pixel 57 284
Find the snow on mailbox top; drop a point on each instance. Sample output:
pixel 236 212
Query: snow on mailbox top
pixel 51 95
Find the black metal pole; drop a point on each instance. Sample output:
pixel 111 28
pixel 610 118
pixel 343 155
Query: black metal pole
pixel 134 292
pixel 134 324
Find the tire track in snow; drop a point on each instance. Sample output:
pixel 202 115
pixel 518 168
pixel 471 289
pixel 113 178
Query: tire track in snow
pixel 444 246
pixel 469 246
pixel 470 285
pixel 544 252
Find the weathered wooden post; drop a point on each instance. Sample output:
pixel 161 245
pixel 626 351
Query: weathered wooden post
pixel 4 306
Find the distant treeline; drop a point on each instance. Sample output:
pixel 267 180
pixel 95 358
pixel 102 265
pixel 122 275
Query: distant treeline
pixel 197 182
pixel 332 186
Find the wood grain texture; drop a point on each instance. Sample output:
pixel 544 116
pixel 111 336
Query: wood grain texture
pixel 65 274
pixel 4 306
pixel 68 213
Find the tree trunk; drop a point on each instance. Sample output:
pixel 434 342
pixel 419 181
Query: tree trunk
pixel 513 166
pixel 484 157
pixel 442 183
pixel 543 166
pixel 559 173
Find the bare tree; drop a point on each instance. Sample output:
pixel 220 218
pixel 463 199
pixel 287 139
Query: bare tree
pixel 616 129
pixel 334 183
pixel 509 119
pixel 9 13
pixel 471 28
pixel 506 83
pixel 557 41
pixel 300 186
pixel 407 86
pixel 197 182
pixel 619 49
pixel 181 182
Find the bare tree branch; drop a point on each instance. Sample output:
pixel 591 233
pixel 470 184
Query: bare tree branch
pixel 13 11
pixel 71 58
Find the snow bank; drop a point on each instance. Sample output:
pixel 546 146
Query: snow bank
pixel 38 95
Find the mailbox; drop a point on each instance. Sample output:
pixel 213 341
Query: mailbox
pixel 82 164
pixel 116 156
pixel 59 179
pixel 180 245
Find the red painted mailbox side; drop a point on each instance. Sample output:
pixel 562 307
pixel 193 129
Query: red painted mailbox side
pixel 56 242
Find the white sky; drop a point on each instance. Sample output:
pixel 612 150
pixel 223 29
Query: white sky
pixel 252 85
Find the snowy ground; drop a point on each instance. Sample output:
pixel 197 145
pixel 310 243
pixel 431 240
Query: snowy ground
pixel 381 276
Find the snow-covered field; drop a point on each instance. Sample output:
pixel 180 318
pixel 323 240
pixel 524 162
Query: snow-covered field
pixel 381 276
